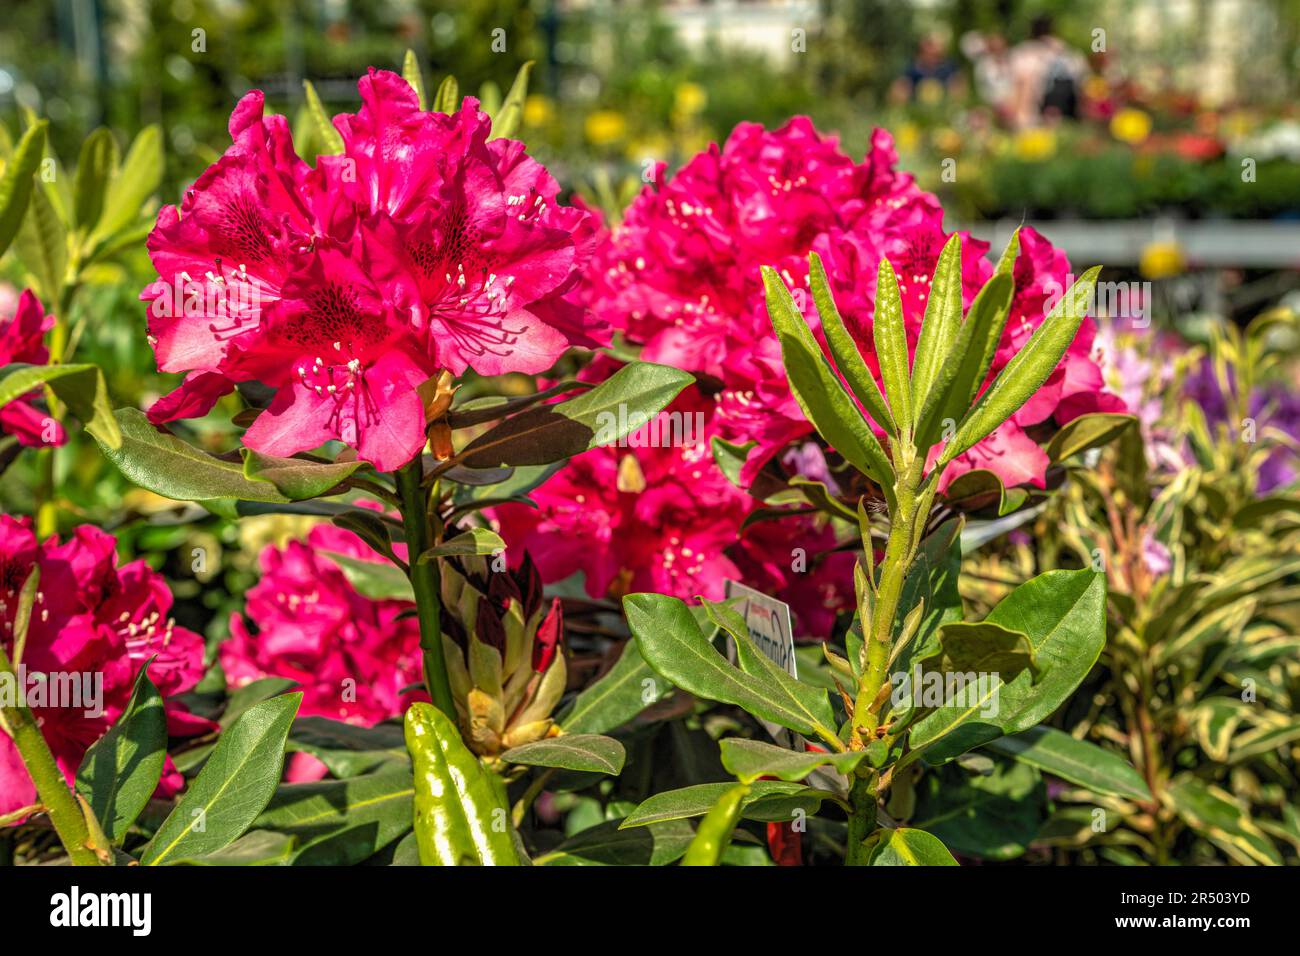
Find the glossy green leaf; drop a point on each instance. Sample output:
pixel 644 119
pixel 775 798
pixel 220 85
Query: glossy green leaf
pixel 748 760
pixel 1222 819
pixel 18 182
pixel 254 848
pixel 715 830
pixel 120 771
pixel 245 696
pixel 232 789
pixel 590 753
pixel 95 169
pixel 377 580
pixel 298 479
pixel 697 800
pixel 606 844
pixel 460 814
pixel 994 816
pixel 414 77
pixel 341 822
pixel 1078 761
pixel 1063 615
pixel 890 337
pixel 906 846
pixel 848 359
pixel 330 138
pixel 629 688
pixel 817 388
pixel 982 647
pixel 42 245
pixel 348 750
pixel 507 120
pixel 447 99
pixel 943 316
pixel 468 542
pixel 1087 432
pixel 159 461
pixel 138 178
pixel 601 416
pixel 1028 369
pixel 962 372
pixel 80 387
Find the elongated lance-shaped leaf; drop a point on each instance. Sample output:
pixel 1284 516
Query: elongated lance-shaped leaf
pixel 414 77
pixel 448 96
pixel 510 117
pixel 331 139
pixel 1028 368
pixel 1007 261
pixel 891 345
pixel 845 351
pixel 18 181
pixel 817 388
pixel 96 167
pixel 967 363
pixel 942 320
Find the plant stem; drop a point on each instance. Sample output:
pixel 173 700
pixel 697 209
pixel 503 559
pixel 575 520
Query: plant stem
pixel 69 823
pixel 425 582
pixel 862 820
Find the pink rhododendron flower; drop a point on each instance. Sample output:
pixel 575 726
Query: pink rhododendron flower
pixel 681 275
pixel 98 622
pixel 352 655
pixel 22 339
pixel 422 246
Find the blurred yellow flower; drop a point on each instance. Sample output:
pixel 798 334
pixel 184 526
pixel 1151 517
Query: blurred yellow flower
pixel 907 136
pixel 689 98
pixel 649 147
pixel 1161 260
pixel 1035 145
pixel 604 127
pixel 538 110
pixel 929 91
pixel 1130 126
pixel 1096 87
pixel 947 140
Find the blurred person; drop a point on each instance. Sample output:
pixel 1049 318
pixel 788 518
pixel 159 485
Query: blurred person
pixel 991 58
pixel 930 76
pixel 1046 75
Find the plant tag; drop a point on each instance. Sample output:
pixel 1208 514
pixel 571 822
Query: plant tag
pixel 770 630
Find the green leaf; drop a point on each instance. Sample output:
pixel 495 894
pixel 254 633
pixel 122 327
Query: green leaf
pixel 994 816
pixel 606 844
pixel 159 461
pixel 967 362
pixel 1028 369
pixel 982 647
pixel 591 753
pixel 377 580
pixel 137 180
pixel 95 168
pixel 414 77
pixel 844 350
pixel 507 120
pixel 348 750
pixel 1087 432
pixel 1222 819
pixel 672 643
pixel 697 800
pixel 470 541
pixel 341 822
pixel 331 139
pixel 1055 752
pixel 297 479
pixel 1063 615
pixel 906 846
pixel 748 760
pixel 818 390
pixel 254 848
pixel 232 789
pixel 1266 738
pixel 120 771
pixel 714 833
pixel 943 315
pixel 891 346
pixel 617 697
pixel 42 245
pixel 18 182
pixel 601 416
pixel 448 97
pixel 980 488
pixel 80 387
pixel 242 698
